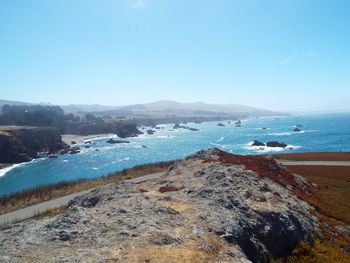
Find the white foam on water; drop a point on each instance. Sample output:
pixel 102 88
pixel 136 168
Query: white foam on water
pixel 270 149
pixel 7 169
pixel 282 133
pixel 121 160
pixel 223 146
pixel 94 168
pixel 65 161
pixel 164 136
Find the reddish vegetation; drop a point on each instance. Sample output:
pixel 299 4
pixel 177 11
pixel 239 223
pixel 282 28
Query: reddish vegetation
pixel 142 190
pixel 267 168
pixel 326 156
pixel 164 189
pixel 332 197
pixel 330 233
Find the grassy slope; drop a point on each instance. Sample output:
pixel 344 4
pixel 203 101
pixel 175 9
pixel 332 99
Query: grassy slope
pixel 40 194
pixel 326 156
pixel 332 199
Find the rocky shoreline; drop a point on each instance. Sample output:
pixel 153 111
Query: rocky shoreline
pixel 22 144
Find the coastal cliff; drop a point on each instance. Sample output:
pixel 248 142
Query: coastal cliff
pixel 22 144
pixel 209 207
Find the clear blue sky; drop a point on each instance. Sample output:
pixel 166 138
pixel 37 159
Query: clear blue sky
pixel 274 54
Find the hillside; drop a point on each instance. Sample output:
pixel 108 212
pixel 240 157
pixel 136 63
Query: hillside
pixel 160 109
pixel 206 208
pixel 22 144
pixel 166 108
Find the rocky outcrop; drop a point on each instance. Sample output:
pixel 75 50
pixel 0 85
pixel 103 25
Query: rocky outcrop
pixel 220 124
pixel 297 129
pixel 150 132
pixel 178 126
pixel 123 129
pixel 22 144
pixel 112 141
pixel 276 144
pixel 210 207
pixel 257 143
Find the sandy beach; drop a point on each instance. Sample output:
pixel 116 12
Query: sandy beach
pixel 79 139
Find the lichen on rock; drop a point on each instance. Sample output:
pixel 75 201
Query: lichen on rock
pixel 216 211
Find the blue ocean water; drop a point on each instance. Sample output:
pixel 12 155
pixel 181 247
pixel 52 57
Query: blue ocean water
pixel 320 133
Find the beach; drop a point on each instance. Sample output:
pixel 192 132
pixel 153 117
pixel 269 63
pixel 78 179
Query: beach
pixel 79 139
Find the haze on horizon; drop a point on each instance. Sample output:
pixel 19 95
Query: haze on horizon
pixel 290 55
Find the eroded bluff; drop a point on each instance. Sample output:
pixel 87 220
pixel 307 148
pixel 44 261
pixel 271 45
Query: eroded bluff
pixel 206 208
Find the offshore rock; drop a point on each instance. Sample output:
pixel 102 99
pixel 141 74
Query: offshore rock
pixel 257 143
pixel 276 144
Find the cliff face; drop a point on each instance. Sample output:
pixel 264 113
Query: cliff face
pixel 207 208
pixel 23 144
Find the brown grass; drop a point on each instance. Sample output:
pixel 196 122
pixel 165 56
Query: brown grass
pixel 332 197
pixel 332 200
pixel 179 207
pixel 40 194
pixel 188 252
pixel 325 156
pixel 320 252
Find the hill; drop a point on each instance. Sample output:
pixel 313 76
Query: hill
pixel 166 108
pixel 206 208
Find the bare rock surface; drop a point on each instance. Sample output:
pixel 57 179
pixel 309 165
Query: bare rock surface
pixel 204 209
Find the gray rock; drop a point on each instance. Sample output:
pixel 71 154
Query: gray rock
pixel 218 207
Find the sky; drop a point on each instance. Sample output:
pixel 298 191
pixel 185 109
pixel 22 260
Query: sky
pixel 291 55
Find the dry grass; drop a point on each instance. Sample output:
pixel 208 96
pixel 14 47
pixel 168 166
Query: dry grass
pixel 332 196
pixel 332 199
pixel 326 156
pixel 43 193
pixel 320 252
pixel 179 207
pixel 187 252
pixel 49 212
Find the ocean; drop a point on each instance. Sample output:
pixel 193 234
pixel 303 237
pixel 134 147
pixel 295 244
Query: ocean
pixel 320 133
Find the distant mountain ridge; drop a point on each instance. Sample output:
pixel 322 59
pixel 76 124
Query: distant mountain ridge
pixel 162 108
pixel 166 108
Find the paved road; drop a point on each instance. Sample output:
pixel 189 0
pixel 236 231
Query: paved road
pixel 327 163
pixel 30 211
